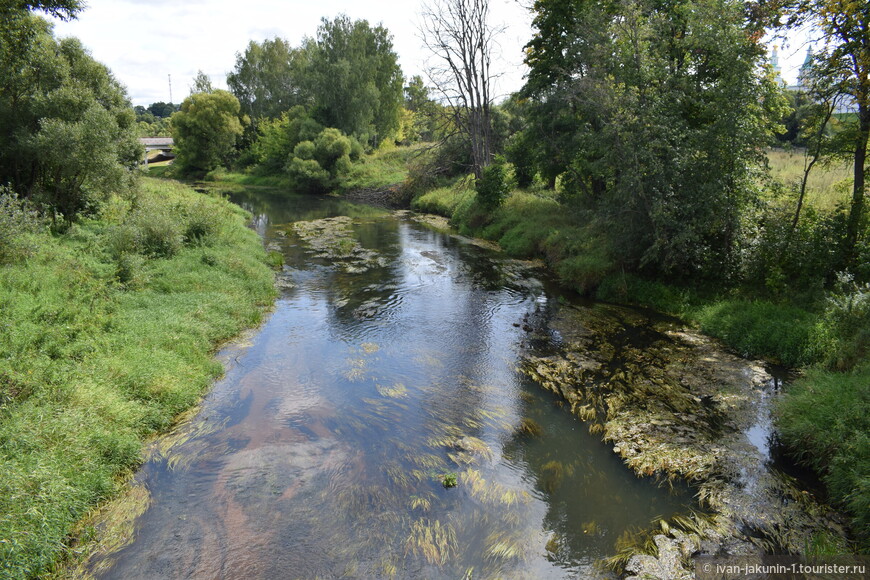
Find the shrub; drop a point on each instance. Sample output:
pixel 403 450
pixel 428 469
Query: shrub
pixel 129 270
pixel 842 335
pixel 160 234
pixel 493 186
pixel 201 224
pixel 778 259
pixel 520 153
pixel 18 218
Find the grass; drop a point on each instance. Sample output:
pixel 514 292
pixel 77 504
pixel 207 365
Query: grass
pixel 385 167
pixel 528 224
pixel 827 186
pixel 381 169
pixel 826 419
pixel 103 342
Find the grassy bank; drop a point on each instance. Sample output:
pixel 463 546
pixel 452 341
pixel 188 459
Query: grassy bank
pixel 380 169
pixel 824 416
pixel 107 332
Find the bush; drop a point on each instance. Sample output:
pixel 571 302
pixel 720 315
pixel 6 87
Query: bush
pixel 317 165
pixel 201 224
pixel 779 259
pixel 494 185
pixel 18 219
pixel 520 154
pixel 842 335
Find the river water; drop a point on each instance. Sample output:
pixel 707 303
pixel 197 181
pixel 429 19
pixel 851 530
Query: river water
pixel 329 448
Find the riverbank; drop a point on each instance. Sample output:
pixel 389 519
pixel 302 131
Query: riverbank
pixel 682 408
pixel 823 419
pixel 109 332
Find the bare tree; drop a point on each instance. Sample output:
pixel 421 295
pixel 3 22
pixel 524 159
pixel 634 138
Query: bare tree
pixel 460 37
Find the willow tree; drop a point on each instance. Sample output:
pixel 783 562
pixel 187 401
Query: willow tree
pixel 460 36
pixel 206 129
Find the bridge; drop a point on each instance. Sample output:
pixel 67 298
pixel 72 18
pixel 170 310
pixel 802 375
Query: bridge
pixel 156 144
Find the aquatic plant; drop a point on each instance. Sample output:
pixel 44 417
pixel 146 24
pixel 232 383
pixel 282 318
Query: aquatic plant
pixel 448 480
pixel 529 427
pixel 431 540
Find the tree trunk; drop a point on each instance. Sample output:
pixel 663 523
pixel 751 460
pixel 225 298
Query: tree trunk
pixel 856 210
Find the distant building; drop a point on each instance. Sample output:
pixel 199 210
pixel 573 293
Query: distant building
pixel 845 104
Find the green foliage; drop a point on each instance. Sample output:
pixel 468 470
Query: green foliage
pixel 493 185
pixel 71 127
pixel 92 366
pixel 205 131
pixel 353 76
pixel 761 329
pixel 779 258
pixel 448 480
pixel 278 137
pixel 519 152
pixel 444 201
pixel 384 168
pixel 316 166
pixel 426 115
pixel 18 221
pixel 265 79
pixel 663 142
pixel 625 288
pixel 347 77
pixel 842 337
pixel 825 418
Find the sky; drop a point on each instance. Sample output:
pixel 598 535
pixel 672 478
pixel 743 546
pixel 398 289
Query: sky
pixel 149 43
pixel 144 42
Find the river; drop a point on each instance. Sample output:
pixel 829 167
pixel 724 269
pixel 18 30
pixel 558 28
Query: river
pixel 376 425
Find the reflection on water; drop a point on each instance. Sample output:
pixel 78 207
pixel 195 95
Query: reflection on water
pixel 323 452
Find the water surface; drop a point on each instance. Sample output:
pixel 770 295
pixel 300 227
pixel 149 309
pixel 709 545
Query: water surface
pixel 324 450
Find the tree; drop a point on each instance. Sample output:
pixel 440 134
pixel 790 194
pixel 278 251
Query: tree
pixel 69 127
pixel 266 79
pixel 201 83
pixel 206 129
pixel 842 67
pixel 458 33
pixel 652 116
pixel 162 110
pixel 63 9
pixel 353 78
pixel 426 114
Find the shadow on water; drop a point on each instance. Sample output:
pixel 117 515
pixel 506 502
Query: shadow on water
pixel 325 449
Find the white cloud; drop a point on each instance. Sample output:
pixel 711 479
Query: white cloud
pixel 143 43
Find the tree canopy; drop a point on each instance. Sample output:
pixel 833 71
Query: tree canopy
pixel 206 129
pixel 347 76
pixel 69 127
pixel 652 115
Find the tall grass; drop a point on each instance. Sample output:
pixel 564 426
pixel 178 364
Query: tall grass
pixel 826 420
pixel 104 340
pixel 384 167
pixel 827 186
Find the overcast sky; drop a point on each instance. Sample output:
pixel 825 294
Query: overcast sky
pixel 144 42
